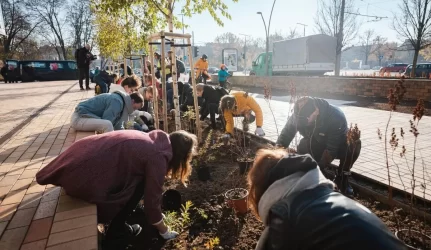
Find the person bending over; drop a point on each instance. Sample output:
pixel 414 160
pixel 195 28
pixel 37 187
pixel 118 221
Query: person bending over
pixel 131 84
pixel 106 112
pixel 104 80
pixel 211 101
pixel 146 113
pixel 241 104
pixel 120 175
pixel 324 130
pixel 301 210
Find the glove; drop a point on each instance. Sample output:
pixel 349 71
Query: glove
pixel 259 131
pixel 144 127
pixel 225 138
pixel 169 235
pixel 145 114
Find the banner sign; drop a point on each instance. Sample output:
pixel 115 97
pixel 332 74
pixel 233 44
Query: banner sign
pixel 230 59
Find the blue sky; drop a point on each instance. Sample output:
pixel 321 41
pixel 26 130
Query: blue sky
pixel 286 14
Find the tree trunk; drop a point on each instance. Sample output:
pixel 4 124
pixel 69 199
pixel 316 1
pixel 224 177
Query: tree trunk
pixel 415 62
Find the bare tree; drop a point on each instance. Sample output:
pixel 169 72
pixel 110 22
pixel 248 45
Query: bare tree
pixel 50 14
pixel 414 25
pixel 292 34
pixel 80 19
pixel 328 18
pixel 381 48
pixel 367 40
pixel 18 24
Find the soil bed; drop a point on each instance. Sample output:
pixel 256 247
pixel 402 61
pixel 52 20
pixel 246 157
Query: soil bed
pixel 211 219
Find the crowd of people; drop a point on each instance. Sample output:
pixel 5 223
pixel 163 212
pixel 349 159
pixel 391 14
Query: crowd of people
pixel 300 207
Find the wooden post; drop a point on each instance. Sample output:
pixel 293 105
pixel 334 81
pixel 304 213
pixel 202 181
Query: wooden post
pixel 155 96
pixel 195 98
pixel 174 68
pixel 164 81
pixel 175 88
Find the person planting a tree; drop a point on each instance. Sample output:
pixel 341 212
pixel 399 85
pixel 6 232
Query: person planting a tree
pixel 240 104
pixel 324 130
pixel 128 166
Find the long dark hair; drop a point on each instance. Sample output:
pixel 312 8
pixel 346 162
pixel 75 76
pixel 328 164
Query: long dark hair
pixel 183 148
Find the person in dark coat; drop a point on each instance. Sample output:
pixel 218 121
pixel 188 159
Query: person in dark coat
pixel 4 71
pixel 301 210
pixel 104 80
pixel 83 58
pixel 324 130
pixel 187 99
pixel 211 100
pixel 120 174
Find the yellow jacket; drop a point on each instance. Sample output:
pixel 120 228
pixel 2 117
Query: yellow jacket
pixel 200 66
pixel 244 104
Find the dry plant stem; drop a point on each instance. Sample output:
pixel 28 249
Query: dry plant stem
pixel 413 182
pixel 387 160
pixel 273 116
pixel 398 170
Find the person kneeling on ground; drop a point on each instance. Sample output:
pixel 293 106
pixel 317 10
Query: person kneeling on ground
pixel 146 114
pixel 301 210
pixel 187 98
pixel 324 130
pixel 211 101
pixel 120 175
pixel 105 112
pixel 104 80
pixel 240 104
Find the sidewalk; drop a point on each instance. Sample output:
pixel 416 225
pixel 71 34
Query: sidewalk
pixel 33 216
pixel 372 161
pixel 20 100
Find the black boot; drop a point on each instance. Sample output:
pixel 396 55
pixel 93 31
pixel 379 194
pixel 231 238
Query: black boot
pixel 342 181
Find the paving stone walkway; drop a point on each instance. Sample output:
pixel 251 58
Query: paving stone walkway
pixel 20 100
pixel 34 217
pixel 372 161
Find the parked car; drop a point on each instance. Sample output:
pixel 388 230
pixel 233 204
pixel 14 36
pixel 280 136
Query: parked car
pixel 394 67
pixel 48 70
pixel 213 70
pixel 422 70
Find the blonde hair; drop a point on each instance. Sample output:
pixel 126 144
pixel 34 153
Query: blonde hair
pixel 183 146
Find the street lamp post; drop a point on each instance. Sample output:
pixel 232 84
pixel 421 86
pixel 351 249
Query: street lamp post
pixel 304 25
pixel 267 37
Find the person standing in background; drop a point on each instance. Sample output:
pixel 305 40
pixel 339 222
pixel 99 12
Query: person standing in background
pixel 83 58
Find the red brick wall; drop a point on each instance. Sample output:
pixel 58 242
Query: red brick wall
pixel 371 87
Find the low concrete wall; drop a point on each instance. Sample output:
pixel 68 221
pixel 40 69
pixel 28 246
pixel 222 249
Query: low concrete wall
pixel 370 87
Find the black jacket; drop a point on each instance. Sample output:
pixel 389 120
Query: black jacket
pixel 103 76
pixel 187 97
pixel 213 94
pixel 330 130
pixel 321 219
pixel 83 57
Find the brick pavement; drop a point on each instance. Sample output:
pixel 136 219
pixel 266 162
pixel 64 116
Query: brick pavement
pixel 33 216
pixel 20 100
pixel 372 161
